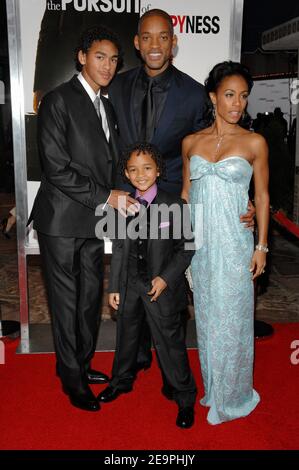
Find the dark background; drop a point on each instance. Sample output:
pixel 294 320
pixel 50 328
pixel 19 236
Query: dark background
pixel 260 15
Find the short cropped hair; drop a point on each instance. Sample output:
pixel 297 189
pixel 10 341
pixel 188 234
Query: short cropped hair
pixel 156 12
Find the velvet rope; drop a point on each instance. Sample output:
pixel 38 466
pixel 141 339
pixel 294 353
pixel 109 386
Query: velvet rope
pixel 282 219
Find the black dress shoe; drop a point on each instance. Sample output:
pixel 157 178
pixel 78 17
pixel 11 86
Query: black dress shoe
pixel 85 400
pixel 185 418
pixel 96 377
pixel 167 391
pixel 262 329
pixel 93 376
pixel 111 394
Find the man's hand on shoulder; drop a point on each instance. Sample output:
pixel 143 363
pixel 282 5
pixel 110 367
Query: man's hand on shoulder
pixel 121 201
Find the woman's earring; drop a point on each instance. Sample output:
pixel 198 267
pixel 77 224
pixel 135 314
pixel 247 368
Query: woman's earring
pixel 243 115
pixel 214 111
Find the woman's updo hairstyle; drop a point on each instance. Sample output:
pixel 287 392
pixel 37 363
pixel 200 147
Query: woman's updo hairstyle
pixel 218 73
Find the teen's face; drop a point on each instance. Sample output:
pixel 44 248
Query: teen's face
pixel 155 44
pixel 231 98
pixel 99 63
pixel 142 171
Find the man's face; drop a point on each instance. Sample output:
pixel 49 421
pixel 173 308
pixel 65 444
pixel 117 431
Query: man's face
pixel 155 44
pixel 99 63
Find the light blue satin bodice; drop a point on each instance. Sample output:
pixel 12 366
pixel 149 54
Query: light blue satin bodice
pixel 232 169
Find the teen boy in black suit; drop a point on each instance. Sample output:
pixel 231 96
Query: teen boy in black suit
pixel 78 146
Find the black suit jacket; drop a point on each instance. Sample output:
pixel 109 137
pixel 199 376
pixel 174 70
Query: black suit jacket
pixel 182 115
pixel 167 258
pixel 77 162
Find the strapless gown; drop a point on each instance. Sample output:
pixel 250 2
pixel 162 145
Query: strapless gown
pixel 223 287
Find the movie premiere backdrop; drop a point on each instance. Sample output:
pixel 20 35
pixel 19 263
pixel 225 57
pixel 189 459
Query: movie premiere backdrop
pixel 42 37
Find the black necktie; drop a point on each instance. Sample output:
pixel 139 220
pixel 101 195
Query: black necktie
pixel 148 113
pixel 142 201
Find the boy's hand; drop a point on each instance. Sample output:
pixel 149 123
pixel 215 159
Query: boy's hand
pixel 158 286
pixel 248 218
pixel 113 300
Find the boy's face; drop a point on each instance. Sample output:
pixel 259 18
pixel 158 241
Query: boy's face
pixel 99 63
pixel 142 171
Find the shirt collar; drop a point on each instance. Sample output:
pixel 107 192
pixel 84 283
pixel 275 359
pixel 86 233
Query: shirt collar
pixel 91 93
pixel 160 80
pixel 150 194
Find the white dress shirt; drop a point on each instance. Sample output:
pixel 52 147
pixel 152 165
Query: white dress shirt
pixel 91 93
pixel 93 96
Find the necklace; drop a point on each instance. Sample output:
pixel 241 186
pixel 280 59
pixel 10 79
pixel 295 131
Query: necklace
pixel 220 139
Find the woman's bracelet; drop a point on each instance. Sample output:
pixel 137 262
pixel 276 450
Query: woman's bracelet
pixel 262 248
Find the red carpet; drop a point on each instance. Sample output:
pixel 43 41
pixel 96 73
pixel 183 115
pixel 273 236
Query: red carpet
pixel 35 414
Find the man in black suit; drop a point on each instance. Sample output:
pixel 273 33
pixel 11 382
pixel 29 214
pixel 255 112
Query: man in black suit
pixel 78 146
pixel 178 103
pixel 149 271
pixel 158 103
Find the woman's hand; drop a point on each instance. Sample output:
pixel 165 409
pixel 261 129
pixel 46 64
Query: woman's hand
pixel 258 263
pixel 113 300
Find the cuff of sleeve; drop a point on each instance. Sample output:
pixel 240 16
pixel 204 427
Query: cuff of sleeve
pixel 105 204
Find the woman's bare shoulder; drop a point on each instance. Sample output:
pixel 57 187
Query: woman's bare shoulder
pixel 192 138
pixel 252 136
pixel 256 141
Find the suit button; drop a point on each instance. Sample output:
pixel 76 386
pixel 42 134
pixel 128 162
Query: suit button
pixel 140 257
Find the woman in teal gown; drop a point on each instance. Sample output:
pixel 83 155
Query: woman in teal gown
pixel 219 162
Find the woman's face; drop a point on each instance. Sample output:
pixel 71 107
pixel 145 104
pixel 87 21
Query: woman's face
pixel 230 98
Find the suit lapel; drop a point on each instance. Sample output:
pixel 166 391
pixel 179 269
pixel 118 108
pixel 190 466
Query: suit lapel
pixel 158 200
pixel 113 153
pixel 169 112
pixel 132 115
pixel 89 112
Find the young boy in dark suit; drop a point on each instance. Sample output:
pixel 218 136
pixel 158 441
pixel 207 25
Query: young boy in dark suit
pixel 149 271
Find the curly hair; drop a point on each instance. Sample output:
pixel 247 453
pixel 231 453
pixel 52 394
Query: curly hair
pixel 142 147
pixel 216 75
pixel 97 33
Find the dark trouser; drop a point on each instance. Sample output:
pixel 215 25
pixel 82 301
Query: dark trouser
pixel 73 270
pixel 168 336
pixel 144 355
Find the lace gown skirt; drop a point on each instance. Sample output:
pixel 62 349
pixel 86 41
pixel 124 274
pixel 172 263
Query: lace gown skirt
pixel 223 287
